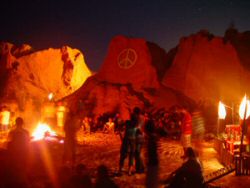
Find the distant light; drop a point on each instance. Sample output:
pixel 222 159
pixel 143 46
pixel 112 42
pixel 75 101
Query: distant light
pixel 222 111
pixel 245 105
pixel 50 96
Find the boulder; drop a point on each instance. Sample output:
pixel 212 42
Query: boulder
pixel 129 61
pixel 36 74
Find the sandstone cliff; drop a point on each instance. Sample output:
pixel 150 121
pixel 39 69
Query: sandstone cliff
pixel 27 74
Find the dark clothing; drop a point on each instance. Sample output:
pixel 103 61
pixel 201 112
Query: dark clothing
pixel 152 156
pixel 19 140
pixel 81 181
pixel 139 166
pixel 189 175
pixel 105 182
pixel 128 147
pixel 152 150
pixel 70 128
pixel 18 157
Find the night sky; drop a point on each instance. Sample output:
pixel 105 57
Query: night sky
pixel 89 25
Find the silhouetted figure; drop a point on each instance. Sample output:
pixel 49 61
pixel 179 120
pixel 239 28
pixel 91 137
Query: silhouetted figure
pixel 128 146
pixel 18 155
pixel 152 155
pixel 70 128
pixel 103 180
pixel 139 166
pixel 138 117
pixel 189 175
pixel 118 123
pixel 81 179
pixel 4 167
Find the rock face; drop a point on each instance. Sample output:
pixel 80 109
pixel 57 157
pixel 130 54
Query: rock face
pixel 34 75
pixel 130 76
pixel 97 97
pixel 207 68
pixel 134 73
pixel 129 61
pixel 241 43
pixel 202 68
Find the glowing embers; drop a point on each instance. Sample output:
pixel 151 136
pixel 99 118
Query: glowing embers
pixel 43 131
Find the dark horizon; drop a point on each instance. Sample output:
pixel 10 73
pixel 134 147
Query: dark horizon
pixel 90 25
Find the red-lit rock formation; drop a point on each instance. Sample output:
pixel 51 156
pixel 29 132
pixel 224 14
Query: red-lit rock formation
pixel 34 75
pixel 130 76
pixel 207 68
pixel 201 68
pixel 135 73
pixel 97 97
pixel 129 62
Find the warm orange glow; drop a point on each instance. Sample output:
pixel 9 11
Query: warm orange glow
pixel 60 114
pixel 47 160
pixel 221 111
pixel 50 96
pixel 41 130
pixel 5 117
pixel 245 105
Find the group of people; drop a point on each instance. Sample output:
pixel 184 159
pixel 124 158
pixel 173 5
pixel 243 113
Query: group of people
pixel 132 142
pixel 167 122
pixel 137 129
pixel 190 173
pixel 107 123
pixel 17 169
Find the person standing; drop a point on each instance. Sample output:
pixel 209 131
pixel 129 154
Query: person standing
pixel 152 174
pixel 128 147
pixel 70 129
pixel 139 166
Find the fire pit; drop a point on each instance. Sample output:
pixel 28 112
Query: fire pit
pixel 45 133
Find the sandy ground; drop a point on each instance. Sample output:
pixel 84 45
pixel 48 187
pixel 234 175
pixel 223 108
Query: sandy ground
pixel 98 148
pixel 101 148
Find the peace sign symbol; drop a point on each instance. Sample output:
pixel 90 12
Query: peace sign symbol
pixel 127 58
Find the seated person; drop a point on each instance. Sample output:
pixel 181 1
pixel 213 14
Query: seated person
pixel 189 174
pixel 109 126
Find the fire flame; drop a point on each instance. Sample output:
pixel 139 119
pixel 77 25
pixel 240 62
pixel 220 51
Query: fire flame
pixel 245 105
pixel 41 131
pixel 221 111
